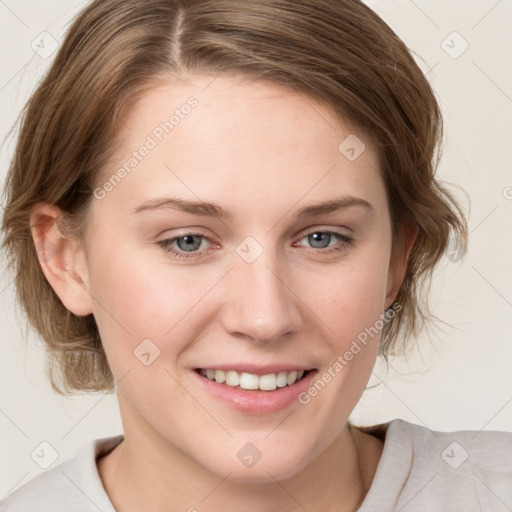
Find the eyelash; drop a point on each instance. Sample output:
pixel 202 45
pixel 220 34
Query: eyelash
pixel 166 244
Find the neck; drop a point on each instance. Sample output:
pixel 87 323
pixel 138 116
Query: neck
pixel 146 472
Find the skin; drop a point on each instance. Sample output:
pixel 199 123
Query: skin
pixel 263 152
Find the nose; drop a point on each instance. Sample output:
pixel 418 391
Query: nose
pixel 260 303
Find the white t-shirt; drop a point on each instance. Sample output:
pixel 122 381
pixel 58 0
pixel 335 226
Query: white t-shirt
pixel 420 470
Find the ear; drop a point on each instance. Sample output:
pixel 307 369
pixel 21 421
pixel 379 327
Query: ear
pixel 408 232
pixel 62 260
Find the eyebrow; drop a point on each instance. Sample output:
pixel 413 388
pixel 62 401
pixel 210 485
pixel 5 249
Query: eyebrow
pixel 208 209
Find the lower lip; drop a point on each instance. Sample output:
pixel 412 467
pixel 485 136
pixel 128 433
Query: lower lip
pixel 256 401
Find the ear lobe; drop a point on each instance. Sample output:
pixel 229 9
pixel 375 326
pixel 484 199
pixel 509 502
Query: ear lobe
pixel 61 258
pixel 399 260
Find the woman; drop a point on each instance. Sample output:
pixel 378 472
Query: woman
pixel 227 210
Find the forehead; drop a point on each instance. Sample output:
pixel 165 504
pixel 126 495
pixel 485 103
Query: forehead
pixel 225 105
pixel 260 141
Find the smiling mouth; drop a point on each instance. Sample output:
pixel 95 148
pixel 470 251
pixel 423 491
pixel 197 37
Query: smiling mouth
pixel 251 381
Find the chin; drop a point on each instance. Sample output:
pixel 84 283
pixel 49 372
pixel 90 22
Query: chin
pixel 261 469
pixel 260 474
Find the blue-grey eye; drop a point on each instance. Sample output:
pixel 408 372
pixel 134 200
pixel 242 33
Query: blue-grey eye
pixel 320 239
pixel 189 244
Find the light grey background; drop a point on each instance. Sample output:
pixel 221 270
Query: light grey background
pixel 460 379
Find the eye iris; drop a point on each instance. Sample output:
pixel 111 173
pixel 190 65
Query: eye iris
pixel 189 244
pixel 316 237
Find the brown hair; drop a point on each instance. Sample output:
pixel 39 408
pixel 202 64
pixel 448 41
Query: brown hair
pixel 338 51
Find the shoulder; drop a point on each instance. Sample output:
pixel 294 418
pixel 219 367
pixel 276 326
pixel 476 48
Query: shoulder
pixel 465 469
pixel 50 490
pixel 484 449
pixel 430 470
pixel 73 486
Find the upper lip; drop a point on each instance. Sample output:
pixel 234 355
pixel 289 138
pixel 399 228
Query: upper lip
pixel 256 369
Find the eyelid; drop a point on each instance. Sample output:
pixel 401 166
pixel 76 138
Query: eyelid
pixel 303 233
pixel 344 240
pixel 325 228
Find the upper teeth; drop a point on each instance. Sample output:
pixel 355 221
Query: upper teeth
pixel 245 380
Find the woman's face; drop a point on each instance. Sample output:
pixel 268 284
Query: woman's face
pixel 270 286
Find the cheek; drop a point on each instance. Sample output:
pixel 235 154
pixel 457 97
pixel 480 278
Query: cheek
pixel 138 299
pixel 352 298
